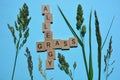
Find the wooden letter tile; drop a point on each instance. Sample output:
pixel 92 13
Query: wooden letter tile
pixel 45 9
pixel 49 64
pixel 48 45
pixel 40 46
pixel 46 27
pixel 65 44
pixel 48 18
pixel 73 42
pixel 48 35
pixel 57 44
pixel 51 54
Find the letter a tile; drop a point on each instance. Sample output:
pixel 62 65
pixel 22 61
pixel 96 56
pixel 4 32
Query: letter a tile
pixel 57 44
pixel 45 9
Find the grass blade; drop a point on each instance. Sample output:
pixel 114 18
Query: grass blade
pixel 90 47
pixel 79 40
pixel 108 32
pixel 70 27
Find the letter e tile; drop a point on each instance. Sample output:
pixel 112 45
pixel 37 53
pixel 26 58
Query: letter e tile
pixel 48 35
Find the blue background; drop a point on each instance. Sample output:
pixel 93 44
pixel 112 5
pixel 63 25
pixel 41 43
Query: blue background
pixel 106 9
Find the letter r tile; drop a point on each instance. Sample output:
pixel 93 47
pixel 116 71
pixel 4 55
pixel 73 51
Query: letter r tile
pixel 48 45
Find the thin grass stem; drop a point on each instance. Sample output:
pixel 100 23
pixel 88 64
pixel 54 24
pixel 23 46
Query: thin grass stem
pixel 14 65
pixel 79 41
pixel 107 33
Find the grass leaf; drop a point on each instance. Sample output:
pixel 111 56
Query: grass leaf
pixel 90 47
pixel 79 40
pixel 70 27
pixel 108 32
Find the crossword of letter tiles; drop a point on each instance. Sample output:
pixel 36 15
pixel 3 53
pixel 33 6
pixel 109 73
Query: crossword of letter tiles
pixel 51 44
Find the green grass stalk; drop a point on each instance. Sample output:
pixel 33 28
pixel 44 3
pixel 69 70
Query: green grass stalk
pixel 99 41
pixel 23 32
pixel 79 41
pixel 14 64
pixel 108 33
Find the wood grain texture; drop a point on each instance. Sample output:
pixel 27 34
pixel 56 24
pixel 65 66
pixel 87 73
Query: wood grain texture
pixel 45 27
pixel 49 64
pixel 57 44
pixel 73 42
pixel 51 54
pixel 45 9
pixel 48 45
pixel 40 46
pixel 48 18
pixel 48 35
pixel 65 44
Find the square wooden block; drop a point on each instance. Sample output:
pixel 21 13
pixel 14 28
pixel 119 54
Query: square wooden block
pixel 45 9
pixel 57 44
pixel 48 18
pixel 51 54
pixel 48 45
pixel 73 42
pixel 49 64
pixel 40 46
pixel 48 35
pixel 65 44
pixel 45 27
